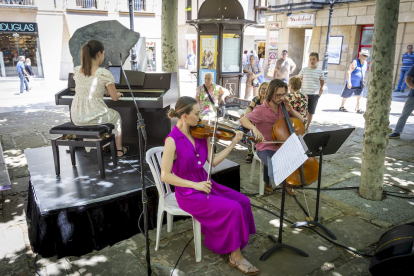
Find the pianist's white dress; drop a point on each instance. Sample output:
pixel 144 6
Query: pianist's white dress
pixel 88 106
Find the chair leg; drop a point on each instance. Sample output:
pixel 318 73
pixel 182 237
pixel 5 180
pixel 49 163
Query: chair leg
pixel 159 225
pixel 252 170
pixel 55 149
pixel 170 219
pixel 197 239
pixel 100 159
pixel 114 153
pixel 261 182
pixel 72 155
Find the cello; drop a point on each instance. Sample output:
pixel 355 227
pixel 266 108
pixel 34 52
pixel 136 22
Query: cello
pixel 307 173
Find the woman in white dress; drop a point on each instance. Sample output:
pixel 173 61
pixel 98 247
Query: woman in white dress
pixel 92 83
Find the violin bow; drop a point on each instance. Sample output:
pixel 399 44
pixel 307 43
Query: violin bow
pixel 213 139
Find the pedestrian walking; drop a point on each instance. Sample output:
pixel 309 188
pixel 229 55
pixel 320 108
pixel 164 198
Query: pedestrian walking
pixel 408 106
pixel 312 85
pixel 191 58
pixel 284 67
pixel 28 68
pixel 253 73
pixel 22 74
pixel 407 61
pixel 354 83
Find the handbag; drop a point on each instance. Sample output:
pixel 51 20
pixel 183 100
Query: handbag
pixel 362 83
pixel 260 78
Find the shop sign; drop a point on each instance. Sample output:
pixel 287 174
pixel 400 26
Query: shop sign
pixel 335 49
pixel 273 25
pixel 273 38
pixel 150 43
pixel 302 19
pixel 18 27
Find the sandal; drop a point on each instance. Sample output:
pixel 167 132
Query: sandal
pixel 249 158
pixel 250 267
pixel 268 190
pixel 360 111
pixel 343 109
pixel 123 151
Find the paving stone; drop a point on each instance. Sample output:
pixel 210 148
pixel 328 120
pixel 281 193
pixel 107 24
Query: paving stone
pixel 114 260
pixel 391 209
pixel 29 140
pixel 355 232
pixel 286 262
pixel 13 260
pixel 356 267
pixel 402 152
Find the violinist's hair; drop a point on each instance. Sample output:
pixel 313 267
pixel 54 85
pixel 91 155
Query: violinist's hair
pixel 88 52
pixel 296 83
pixel 273 86
pixel 184 105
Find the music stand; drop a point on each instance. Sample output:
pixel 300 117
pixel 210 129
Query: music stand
pixel 319 144
pixel 279 244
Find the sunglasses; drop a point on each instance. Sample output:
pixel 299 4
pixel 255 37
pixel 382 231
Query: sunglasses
pixel 365 56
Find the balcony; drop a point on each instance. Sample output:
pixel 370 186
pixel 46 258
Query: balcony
pixel 88 6
pixel 18 2
pixel 292 5
pixel 141 7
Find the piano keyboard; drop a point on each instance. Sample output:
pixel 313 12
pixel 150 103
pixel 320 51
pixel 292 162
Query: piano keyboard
pixel 120 99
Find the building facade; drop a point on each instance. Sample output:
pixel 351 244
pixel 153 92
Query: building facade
pixel 300 27
pixel 41 29
pixel 254 36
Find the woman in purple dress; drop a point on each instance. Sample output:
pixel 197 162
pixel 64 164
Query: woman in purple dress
pixel 226 218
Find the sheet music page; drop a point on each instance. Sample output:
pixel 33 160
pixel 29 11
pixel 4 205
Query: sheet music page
pixel 288 158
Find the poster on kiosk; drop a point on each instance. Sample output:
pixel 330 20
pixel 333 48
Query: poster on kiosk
pixel 208 57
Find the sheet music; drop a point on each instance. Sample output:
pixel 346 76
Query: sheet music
pixel 288 158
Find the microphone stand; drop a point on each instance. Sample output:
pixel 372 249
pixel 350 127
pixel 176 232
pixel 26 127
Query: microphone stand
pixel 142 134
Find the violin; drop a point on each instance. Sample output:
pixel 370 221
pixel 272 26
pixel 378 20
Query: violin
pixel 202 131
pixel 282 129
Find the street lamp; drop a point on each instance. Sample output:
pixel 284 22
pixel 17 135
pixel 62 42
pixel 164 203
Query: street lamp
pixel 328 33
pixel 134 66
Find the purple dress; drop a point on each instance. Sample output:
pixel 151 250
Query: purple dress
pixel 226 217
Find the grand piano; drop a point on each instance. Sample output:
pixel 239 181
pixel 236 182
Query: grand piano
pixel 154 92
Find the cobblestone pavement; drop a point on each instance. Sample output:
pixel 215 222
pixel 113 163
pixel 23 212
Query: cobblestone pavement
pixel 25 121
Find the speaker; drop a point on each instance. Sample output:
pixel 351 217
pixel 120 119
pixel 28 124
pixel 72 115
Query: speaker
pixel 394 254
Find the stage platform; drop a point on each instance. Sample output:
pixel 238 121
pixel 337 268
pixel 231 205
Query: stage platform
pixel 79 212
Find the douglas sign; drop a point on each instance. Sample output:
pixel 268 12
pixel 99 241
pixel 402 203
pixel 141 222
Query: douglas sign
pixel 18 27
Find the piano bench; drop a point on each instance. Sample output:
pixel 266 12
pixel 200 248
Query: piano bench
pixel 73 135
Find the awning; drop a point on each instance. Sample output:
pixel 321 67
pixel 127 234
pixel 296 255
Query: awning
pixel 258 33
pixel 191 33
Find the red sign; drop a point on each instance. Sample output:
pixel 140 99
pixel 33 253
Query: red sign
pixel 273 25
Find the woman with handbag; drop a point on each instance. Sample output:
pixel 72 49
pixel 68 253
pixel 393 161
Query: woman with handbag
pixel 254 77
pixel 216 92
pixel 355 80
pixel 28 68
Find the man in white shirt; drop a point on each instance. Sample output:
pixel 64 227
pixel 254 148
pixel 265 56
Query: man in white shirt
pixel 284 67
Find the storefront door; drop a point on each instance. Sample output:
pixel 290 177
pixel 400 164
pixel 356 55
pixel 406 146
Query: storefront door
pixel 19 39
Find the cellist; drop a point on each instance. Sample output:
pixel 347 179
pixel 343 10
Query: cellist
pixel 261 121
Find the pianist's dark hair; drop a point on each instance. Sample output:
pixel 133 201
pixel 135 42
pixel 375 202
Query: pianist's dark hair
pixel 184 105
pixel 88 52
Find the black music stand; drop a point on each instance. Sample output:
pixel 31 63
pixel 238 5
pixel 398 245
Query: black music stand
pixel 279 244
pixel 319 144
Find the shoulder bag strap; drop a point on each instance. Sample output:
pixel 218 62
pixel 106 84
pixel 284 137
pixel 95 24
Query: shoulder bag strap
pixel 208 94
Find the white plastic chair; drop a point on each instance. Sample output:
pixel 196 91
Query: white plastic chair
pixel 168 203
pixel 253 170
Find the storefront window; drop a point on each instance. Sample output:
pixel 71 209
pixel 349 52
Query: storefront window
pixel 15 42
pixel 231 53
pixel 367 32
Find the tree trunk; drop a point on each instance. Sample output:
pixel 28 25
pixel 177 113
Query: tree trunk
pixel 379 99
pixel 169 35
